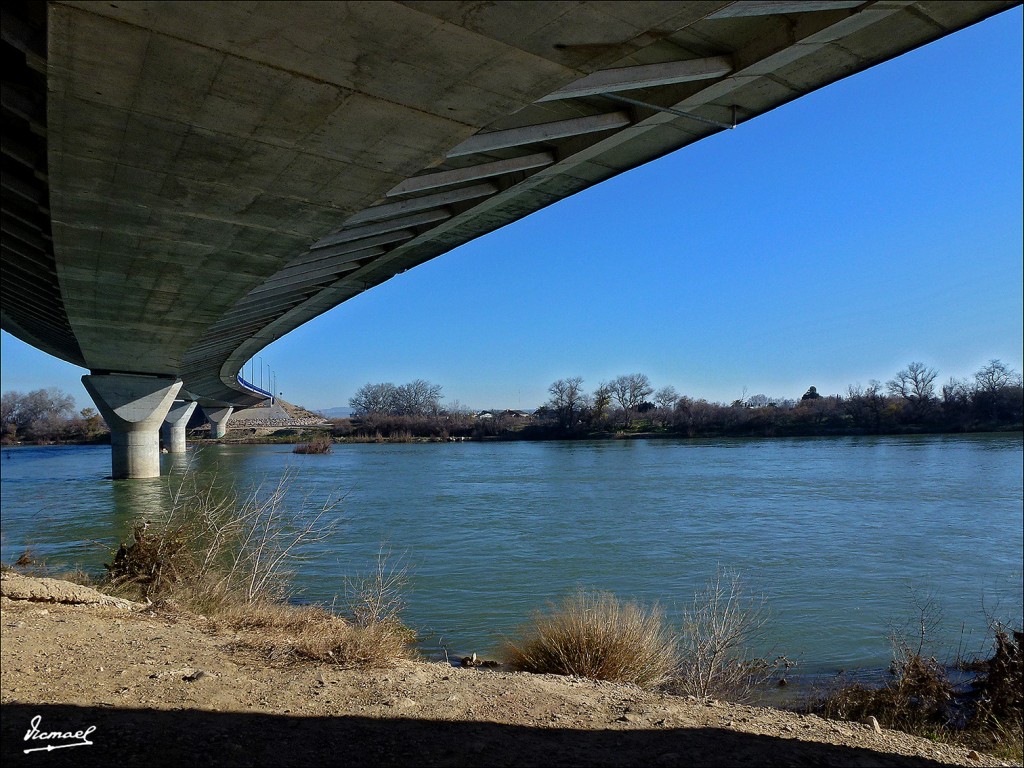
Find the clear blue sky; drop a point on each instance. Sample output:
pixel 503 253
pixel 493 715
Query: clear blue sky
pixel 870 224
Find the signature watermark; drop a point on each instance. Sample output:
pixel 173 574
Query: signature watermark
pixel 34 733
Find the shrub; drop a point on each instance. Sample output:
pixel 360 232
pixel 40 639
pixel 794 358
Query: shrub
pixel 319 444
pixel 378 598
pixel 719 628
pixel 918 699
pixel 211 542
pixel 595 635
pixel 230 561
pixel 287 632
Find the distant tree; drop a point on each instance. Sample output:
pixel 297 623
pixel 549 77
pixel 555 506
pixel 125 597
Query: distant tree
pixel 915 384
pixel 373 398
pixel 866 407
pixel 600 401
pixel 997 392
pixel 42 414
pixel 811 394
pixel 417 398
pixel 994 376
pixel 630 390
pixel 759 401
pixel 666 397
pixel 957 403
pixel 567 400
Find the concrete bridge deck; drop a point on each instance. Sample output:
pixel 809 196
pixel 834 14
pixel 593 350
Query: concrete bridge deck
pixel 184 183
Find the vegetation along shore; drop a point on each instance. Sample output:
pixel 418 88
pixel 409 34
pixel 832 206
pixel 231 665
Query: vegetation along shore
pixel 628 406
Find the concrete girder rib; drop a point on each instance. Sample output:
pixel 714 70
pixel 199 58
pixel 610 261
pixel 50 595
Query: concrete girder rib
pixel 389 210
pixel 644 76
pixel 173 429
pixel 471 173
pixel 134 408
pixel 543 132
pixel 218 417
pixel 357 233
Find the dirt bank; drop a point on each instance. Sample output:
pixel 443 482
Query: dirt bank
pixel 161 689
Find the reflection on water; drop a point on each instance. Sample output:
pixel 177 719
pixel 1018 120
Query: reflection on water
pixel 838 533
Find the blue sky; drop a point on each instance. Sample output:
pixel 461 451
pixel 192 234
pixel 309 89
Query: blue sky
pixel 875 222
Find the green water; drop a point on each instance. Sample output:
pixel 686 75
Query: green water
pixel 840 534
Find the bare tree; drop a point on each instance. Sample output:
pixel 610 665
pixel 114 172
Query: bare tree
pixel 994 376
pixel 666 397
pixel 567 400
pixel 417 398
pixel 915 383
pixel 631 390
pixel 373 398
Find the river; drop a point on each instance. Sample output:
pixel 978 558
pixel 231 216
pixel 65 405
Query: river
pixel 842 536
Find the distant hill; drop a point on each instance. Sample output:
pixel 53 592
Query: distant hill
pixel 336 413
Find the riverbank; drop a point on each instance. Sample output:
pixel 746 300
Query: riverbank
pixel 163 688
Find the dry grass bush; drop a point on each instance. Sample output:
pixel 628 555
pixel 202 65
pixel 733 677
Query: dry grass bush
pixel 231 561
pixel 213 542
pixel 311 632
pixel 348 644
pixel 597 636
pixel 320 444
pixel 719 628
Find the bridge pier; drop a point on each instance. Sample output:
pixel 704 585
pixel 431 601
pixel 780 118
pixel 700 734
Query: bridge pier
pixel 172 431
pixel 134 408
pixel 218 418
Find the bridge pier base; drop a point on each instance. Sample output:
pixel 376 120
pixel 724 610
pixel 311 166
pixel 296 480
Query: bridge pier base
pixel 218 418
pixel 134 408
pixel 172 431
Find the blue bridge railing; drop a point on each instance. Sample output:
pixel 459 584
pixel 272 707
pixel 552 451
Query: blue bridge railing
pixel 254 388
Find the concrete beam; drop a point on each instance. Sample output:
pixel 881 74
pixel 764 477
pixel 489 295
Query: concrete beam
pixel 218 417
pixel 340 249
pixel 745 8
pixel 471 173
pixel 357 233
pixel 535 134
pixel 172 432
pixel 134 408
pixel 643 76
pixel 390 210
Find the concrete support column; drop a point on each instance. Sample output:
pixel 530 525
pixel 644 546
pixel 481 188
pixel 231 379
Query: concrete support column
pixel 173 430
pixel 134 408
pixel 218 418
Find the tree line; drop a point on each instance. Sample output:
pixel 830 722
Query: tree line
pixel 911 401
pixel 47 415
pixel 993 398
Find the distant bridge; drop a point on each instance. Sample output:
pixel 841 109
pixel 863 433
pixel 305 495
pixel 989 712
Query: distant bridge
pixel 184 183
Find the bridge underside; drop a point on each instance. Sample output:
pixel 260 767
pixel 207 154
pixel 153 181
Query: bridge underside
pixel 184 183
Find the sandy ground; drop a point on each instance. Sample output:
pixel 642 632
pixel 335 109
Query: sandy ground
pixel 166 690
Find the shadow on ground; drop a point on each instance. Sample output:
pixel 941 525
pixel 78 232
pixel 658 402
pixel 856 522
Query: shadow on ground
pixel 144 737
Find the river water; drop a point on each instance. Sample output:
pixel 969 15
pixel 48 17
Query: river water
pixel 843 536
